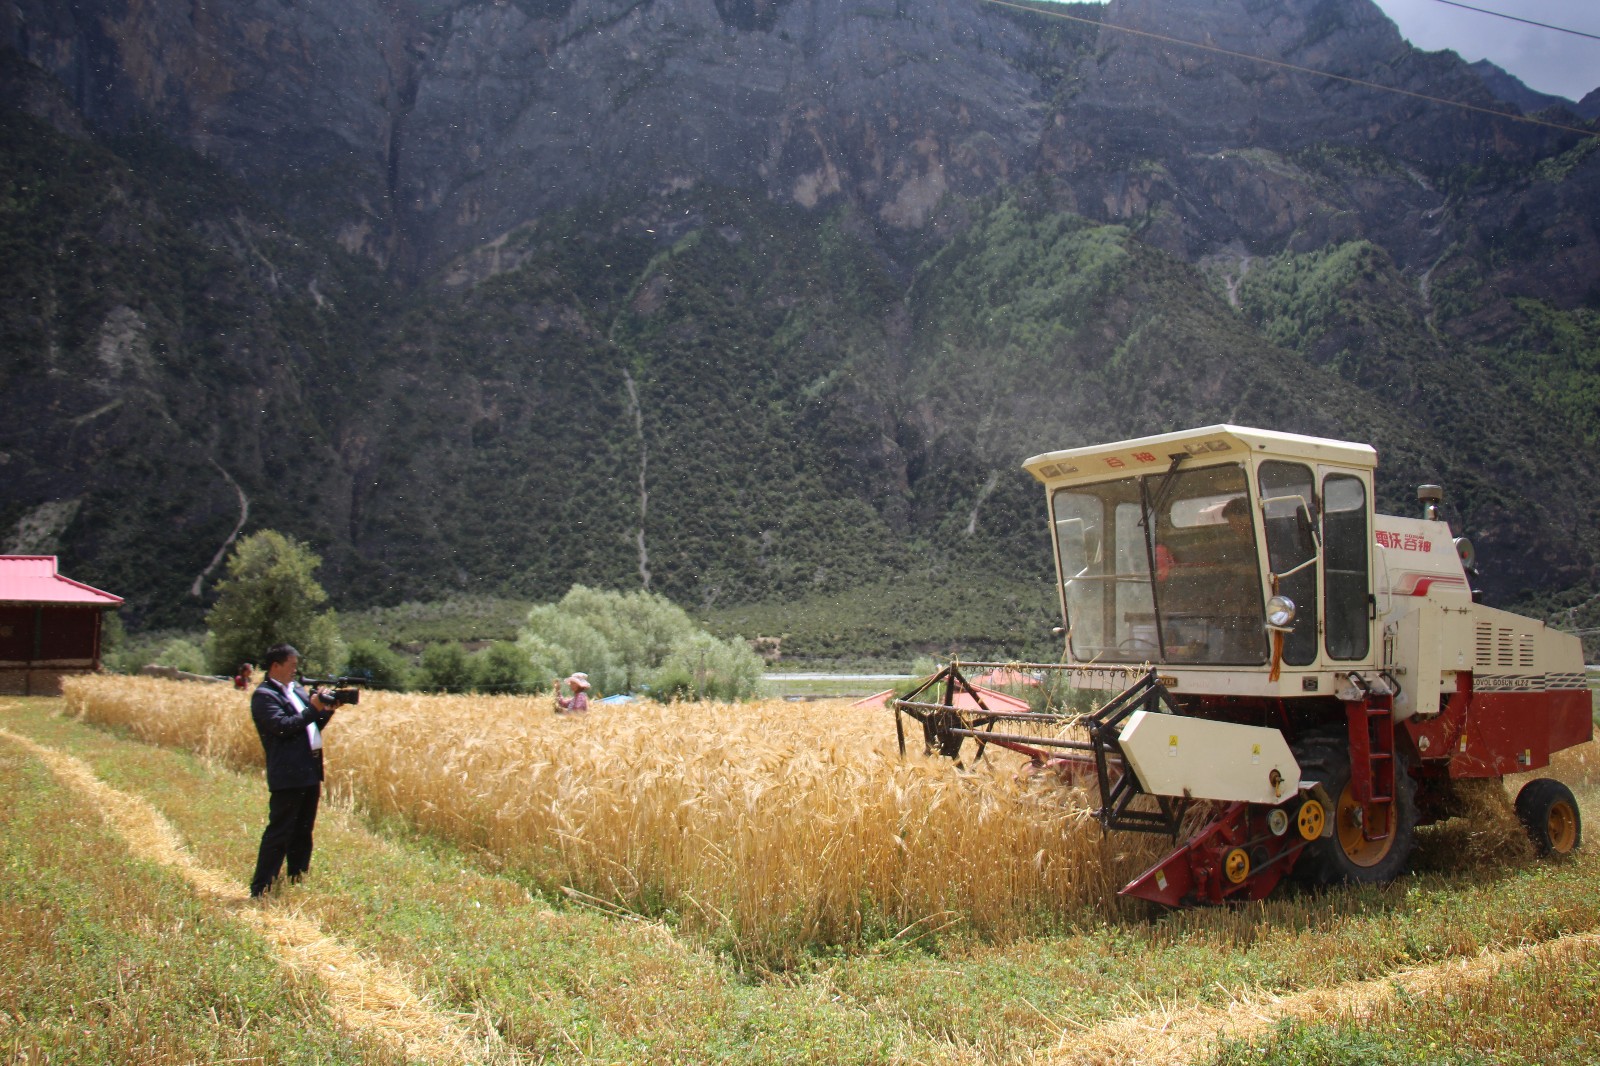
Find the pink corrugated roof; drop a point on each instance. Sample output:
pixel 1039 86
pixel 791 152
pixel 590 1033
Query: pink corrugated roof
pixel 33 579
pixel 995 701
pixel 996 678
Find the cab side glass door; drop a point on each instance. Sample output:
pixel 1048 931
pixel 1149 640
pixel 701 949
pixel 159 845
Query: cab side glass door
pixel 1346 551
pixel 1288 511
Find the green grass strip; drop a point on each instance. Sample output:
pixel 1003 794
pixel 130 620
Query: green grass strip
pixel 112 959
pixel 1542 1008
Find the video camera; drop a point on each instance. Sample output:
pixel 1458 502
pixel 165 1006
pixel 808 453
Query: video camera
pixel 335 689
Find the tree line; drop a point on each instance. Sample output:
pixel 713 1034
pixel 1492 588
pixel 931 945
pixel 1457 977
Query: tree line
pixel 626 642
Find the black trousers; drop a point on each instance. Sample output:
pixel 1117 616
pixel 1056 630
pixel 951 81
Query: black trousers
pixel 291 814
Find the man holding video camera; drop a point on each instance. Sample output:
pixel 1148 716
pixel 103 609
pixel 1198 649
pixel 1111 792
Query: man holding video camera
pixel 290 722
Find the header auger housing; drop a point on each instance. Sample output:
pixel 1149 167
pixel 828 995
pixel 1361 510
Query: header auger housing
pixel 1317 675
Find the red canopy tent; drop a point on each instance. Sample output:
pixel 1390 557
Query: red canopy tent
pixel 994 701
pixel 49 625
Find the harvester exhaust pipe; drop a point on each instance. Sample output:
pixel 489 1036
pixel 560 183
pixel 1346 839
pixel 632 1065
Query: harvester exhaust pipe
pixel 1431 496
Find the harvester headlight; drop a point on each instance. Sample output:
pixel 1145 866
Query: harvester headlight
pixel 1280 612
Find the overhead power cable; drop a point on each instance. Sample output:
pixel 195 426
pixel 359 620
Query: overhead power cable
pixel 1509 116
pixel 1515 18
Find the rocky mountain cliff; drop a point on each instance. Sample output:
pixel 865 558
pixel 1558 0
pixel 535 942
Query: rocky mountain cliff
pixel 1509 89
pixel 753 299
pixel 414 131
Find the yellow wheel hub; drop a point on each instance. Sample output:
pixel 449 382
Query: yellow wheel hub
pixel 1562 824
pixel 1236 865
pixel 1350 824
pixel 1311 820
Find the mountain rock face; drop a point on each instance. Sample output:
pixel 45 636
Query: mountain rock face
pixel 1509 89
pixel 416 132
pixel 744 299
pixel 454 124
pixel 521 115
pixel 299 99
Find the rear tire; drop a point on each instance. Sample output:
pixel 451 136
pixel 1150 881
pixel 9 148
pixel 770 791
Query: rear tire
pixel 1345 856
pixel 1549 813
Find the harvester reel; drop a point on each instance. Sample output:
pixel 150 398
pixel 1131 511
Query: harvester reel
pixel 944 728
pixel 937 732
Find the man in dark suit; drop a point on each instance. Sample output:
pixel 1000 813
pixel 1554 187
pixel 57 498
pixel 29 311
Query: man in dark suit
pixel 290 722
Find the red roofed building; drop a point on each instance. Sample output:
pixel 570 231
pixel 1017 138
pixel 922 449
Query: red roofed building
pixel 49 625
pixel 1004 678
pixel 992 700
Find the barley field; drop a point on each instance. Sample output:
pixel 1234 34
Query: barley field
pixel 130 938
pixel 768 828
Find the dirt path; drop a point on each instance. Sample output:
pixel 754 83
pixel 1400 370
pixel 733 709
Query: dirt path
pixel 363 993
pixel 1183 1034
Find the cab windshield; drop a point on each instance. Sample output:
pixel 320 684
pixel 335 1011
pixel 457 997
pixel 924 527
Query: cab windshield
pixel 1162 568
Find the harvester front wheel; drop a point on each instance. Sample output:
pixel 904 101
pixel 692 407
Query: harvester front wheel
pixel 1346 855
pixel 1550 815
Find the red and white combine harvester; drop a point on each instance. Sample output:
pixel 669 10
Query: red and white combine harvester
pixel 1319 676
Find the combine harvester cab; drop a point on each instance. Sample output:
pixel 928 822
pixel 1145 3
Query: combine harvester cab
pixel 1300 679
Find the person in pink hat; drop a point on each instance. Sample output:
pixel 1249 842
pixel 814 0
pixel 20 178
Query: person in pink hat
pixel 578 702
